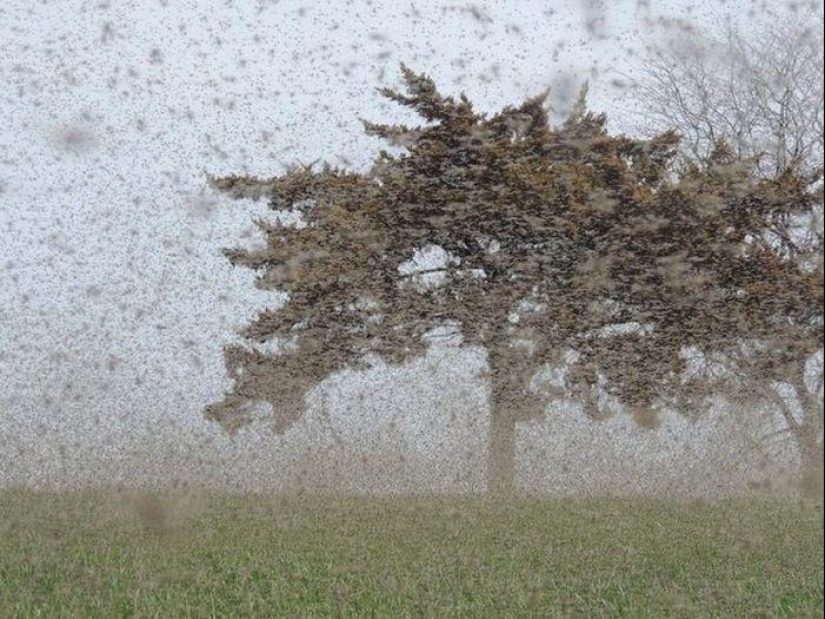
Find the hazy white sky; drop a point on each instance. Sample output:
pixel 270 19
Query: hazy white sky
pixel 115 300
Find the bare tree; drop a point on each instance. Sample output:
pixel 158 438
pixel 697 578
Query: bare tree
pixel 759 91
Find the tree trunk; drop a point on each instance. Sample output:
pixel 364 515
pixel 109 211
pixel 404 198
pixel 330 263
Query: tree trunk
pixel 811 471
pixel 808 434
pixel 501 447
pixel 510 402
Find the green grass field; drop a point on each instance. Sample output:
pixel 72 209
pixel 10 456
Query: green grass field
pixel 108 554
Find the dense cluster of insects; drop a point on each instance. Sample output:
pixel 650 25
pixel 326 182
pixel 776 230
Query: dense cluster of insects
pixel 643 283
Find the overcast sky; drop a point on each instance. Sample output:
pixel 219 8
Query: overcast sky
pixel 115 301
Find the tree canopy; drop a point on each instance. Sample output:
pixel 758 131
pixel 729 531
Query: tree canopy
pixel 562 247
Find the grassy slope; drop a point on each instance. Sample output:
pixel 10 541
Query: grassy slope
pixel 100 554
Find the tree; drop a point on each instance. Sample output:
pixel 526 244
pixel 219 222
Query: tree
pixel 756 98
pixel 759 91
pixel 780 347
pixel 561 247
